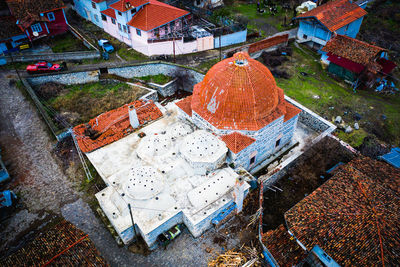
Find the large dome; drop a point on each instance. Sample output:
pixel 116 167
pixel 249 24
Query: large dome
pixel 238 93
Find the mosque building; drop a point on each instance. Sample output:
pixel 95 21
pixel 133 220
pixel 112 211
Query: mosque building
pixel 188 162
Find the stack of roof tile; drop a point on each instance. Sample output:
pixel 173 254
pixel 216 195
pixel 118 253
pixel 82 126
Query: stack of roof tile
pixel 113 125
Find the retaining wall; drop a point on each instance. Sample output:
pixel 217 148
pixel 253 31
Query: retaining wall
pixel 66 56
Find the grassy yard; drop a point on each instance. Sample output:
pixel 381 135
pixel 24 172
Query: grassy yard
pixel 82 102
pixel 158 79
pixel 265 22
pixel 330 98
pixel 130 54
pixel 66 43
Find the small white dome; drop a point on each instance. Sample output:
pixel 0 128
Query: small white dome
pixel 154 145
pixel 143 182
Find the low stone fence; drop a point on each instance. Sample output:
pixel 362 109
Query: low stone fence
pixel 167 89
pixel 66 56
pixel 189 76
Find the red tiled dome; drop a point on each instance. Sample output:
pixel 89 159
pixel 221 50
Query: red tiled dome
pixel 238 93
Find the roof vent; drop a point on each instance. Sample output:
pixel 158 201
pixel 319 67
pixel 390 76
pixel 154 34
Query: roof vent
pixel 127 4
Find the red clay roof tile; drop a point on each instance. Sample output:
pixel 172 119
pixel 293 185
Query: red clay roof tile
pixel 122 6
pixel 185 105
pixel 236 142
pixel 352 49
pixel 291 111
pixel 354 217
pixel 113 125
pixel 239 96
pixel 155 14
pixel 335 14
pixel 109 12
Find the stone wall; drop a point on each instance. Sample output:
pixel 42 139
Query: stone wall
pixel 66 56
pixel 167 89
pixel 191 77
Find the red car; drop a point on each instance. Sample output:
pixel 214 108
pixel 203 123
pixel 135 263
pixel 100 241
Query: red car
pixel 43 66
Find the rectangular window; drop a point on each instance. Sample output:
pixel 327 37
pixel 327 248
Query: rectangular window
pixel 124 27
pixel 156 32
pixel 305 36
pixel 103 17
pixel 277 142
pixel 113 21
pixel 96 17
pixel 119 27
pixel 172 25
pixel 138 32
pixel 129 31
pixel 36 27
pixel 133 10
pixel 50 16
pixel 252 160
pixel 94 5
pixel 119 13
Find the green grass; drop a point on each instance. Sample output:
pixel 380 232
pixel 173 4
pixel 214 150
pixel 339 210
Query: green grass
pixel 257 21
pixel 206 65
pixel 86 101
pixel 130 55
pixel 336 98
pixel 66 43
pixel 158 79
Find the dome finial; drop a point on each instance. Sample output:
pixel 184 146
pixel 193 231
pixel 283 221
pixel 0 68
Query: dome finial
pixel 240 59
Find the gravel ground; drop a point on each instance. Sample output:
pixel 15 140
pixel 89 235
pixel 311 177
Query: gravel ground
pixel 46 191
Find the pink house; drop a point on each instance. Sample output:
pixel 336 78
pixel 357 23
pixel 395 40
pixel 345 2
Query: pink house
pixel 153 28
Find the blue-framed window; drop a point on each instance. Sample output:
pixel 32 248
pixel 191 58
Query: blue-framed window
pixel 36 27
pixel 51 16
pixel 138 32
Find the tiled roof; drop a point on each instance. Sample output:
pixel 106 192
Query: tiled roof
pixel 113 125
pixel 354 217
pixel 184 105
pixel 238 93
pixel 28 11
pixel 352 49
pixel 335 14
pixel 9 27
pixel 109 12
pixel 291 111
pixel 236 142
pixel 61 245
pixel 155 14
pixel 283 247
pixel 121 5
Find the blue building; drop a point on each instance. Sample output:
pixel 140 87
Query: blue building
pixel 90 10
pixel 317 26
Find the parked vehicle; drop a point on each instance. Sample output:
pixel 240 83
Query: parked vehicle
pixel 43 66
pixel 4 176
pixel 166 237
pixel 105 44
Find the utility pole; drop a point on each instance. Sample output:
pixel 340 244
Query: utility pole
pixel 220 47
pixel 173 42
pixel 133 223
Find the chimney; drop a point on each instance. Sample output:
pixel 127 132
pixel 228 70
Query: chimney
pixel 127 4
pixel 238 193
pixel 133 118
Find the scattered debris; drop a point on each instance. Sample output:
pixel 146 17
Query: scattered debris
pixel 357 116
pixel 348 129
pixel 316 97
pixel 356 126
pixel 338 119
